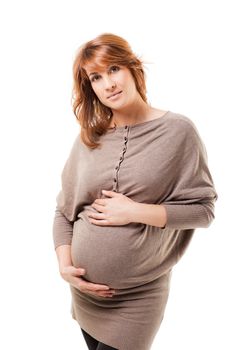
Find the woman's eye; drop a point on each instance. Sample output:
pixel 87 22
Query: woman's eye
pixel 115 68
pixel 95 76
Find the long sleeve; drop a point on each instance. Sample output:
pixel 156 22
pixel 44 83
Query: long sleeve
pixel 191 204
pixel 65 215
pixel 187 216
pixel 62 229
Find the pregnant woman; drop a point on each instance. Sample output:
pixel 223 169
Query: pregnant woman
pixel 135 186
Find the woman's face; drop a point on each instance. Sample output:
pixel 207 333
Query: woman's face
pixel 114 79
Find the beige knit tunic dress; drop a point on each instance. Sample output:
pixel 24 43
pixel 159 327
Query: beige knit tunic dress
pixel 160 161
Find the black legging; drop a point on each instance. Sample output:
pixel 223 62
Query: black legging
pixel 94 344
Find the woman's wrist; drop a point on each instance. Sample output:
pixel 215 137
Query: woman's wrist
pixel 150 214
pixel 64 256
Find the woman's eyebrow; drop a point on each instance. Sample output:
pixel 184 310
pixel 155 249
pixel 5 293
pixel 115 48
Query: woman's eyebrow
pixel 108 67
pixel 93 73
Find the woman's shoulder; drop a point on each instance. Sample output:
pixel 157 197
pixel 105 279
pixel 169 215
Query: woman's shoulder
pixel 181 122
pixel 184 130
pixel 181 119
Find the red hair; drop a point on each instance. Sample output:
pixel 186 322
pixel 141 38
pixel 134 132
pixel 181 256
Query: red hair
pixel 93 116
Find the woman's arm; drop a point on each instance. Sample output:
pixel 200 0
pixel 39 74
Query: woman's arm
pixel 150 214
pixel 191 202
pixel 62 229
pixel 173 215
pixel 62 237
pixel 63 253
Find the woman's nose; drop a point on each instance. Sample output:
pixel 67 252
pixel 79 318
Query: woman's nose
pixel 109 83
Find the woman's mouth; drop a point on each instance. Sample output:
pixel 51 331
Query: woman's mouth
pixel 115 96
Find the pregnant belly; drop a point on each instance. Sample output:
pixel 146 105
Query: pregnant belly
pixel 118 256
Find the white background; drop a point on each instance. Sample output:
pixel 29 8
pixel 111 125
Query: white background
pixel 188 47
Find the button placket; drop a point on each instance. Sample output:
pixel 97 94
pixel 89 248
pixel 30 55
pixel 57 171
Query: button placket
pixel 117 168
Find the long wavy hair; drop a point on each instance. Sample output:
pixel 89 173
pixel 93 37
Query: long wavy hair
pixel 93 116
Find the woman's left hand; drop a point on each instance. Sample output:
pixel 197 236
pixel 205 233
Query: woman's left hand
pixel 116 210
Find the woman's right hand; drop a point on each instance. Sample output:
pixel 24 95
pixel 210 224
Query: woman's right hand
pixel 72 275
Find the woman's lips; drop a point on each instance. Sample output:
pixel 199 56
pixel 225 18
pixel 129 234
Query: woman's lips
pixel 115 96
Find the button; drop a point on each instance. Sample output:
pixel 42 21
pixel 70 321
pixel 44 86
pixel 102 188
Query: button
pixel 126 127
pixel 116 167
pixel 124 149
pixel 114 180
pixel 125 138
